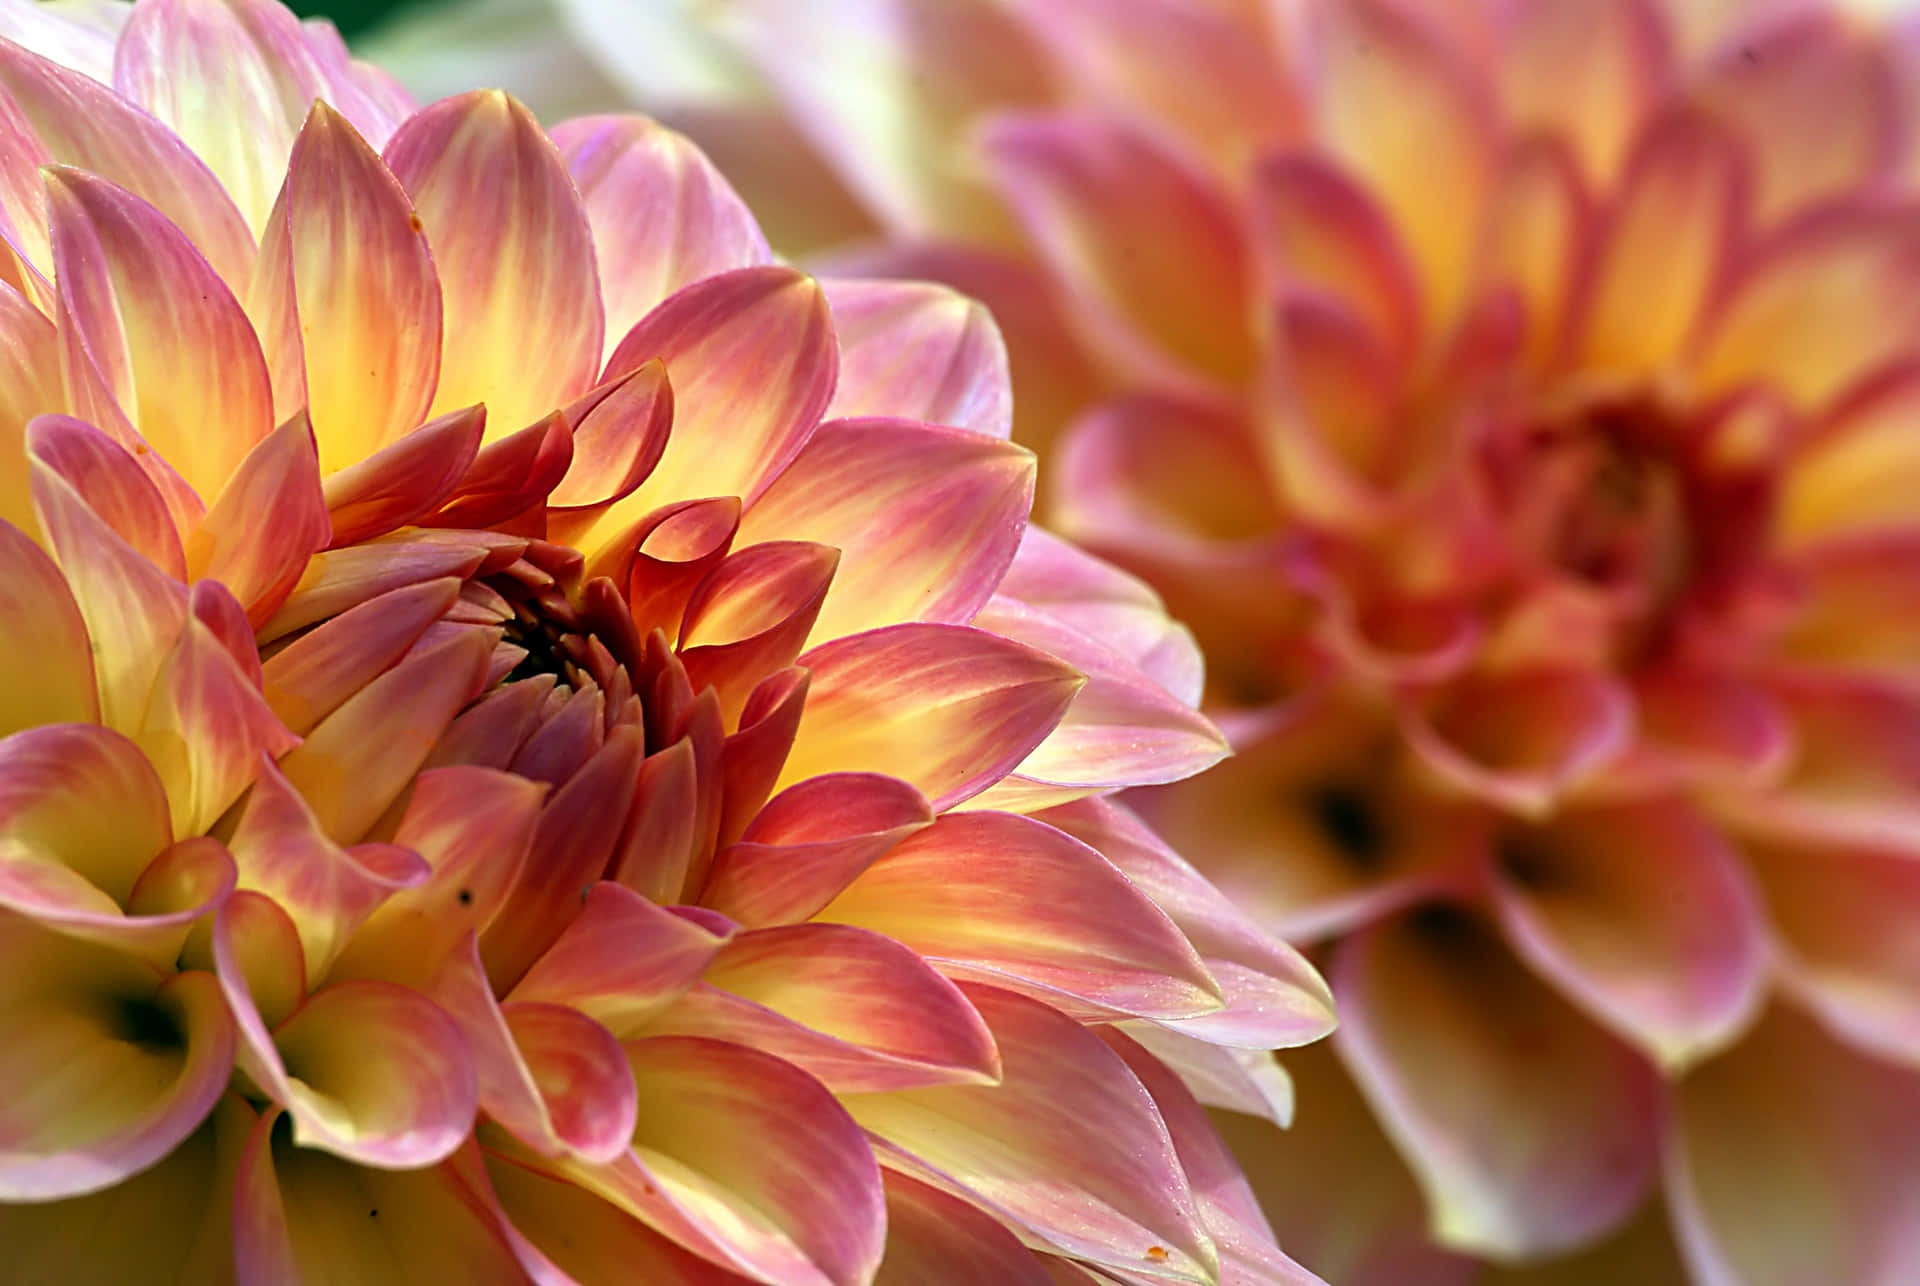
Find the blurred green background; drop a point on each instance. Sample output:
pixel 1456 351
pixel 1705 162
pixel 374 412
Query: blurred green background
pixel 351 16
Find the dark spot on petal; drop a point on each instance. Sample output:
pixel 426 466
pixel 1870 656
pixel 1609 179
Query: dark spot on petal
pixel 413 221
pixel 466 897
pixel 374 1213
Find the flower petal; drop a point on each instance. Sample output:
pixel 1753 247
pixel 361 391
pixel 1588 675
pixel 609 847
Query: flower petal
pixel 315 674
pixel 404 480
pixel 108 1066
pixel 962 708
pixel 1642 915
pixel 926 519
pixel 1139 232
pixel 913 350
pixel 511 243
pixel 265 523
pixel 345 296
pixel 1587 73
pixel 1797 1158
pixel 661 214
pixel 1529 1129
pixel 42 633
pixel 1014 901
pixel 854 1009
pixel 933 1236
pixel 1067 1146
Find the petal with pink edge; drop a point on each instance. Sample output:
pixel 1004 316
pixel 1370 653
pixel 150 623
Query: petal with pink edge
pixel 661 214
pixel 620 430
pixel 303 1215
pixel 1520 740
pixel 752 360
pixel 345 296
pixel 401 482
pixel 358 759
pixel 1587 73
pixel 87 796
pixel 1642 915
pixel 935 1236
pixel 41 633
pixel 741 1157
pixel 1858 470
pixel 1796 1158
pixel 1663 247
pixel 926 519
pixel 1818 306
pixel 962 707
pixel 512 245
pixel 620 961
pixel 1847 928
pixel 854 1009
pixel 314 675
pixel 82 123
pixel 265 523
pixel 807 843
pixel 750 616
pixel 1018 903
pixel 164 334
pixel 1529 1129
pixel 914 350
pixel 1068 1146
pixel 1337 1193
pixel 109 1065
pixel 1137 228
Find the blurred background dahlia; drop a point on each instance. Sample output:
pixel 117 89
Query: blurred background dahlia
pixel 539 744
pixel 1522 402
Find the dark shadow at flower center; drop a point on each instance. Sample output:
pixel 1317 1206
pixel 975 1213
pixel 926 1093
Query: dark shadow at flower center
pixel 148 1024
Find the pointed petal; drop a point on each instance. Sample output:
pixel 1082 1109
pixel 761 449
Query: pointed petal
pixel 751 357
pixel 1795 1158
pixel 511 244
pixel 1663 250
pixel 1016 902
pixel 1586 72
pixel 662 216
pixel 962 708
pixel 854 1009
pixel 1529 1129
pixel 808 843
pixel 913 350
pixel 926 519
pixel 345 296
pixel 620 430
pixel 172 344
pixel 358 759
pixel 1642 915
pixel 265 523
pixel 620 961
pixel 42 632
pixel 750 616
pixel 315 674
pixel 82 123
pixel 399 483
pixel 1067 1146
pixel 108 1066
pixel 1137 229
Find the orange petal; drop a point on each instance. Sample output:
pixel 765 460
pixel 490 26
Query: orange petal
pixel 620 430
pixel 933 1236
pixel 157 324
pixel 750 616
pixel 1859 469
pixel 112 484
pixel 1587 73
pixel 1016 902
pixel 265 523
pixel 962 708
pixel 926 519
pixel 662 216
pixel 314 675
pixel 512 245
pixel 30 385
pixel 397 484
pixel 345 296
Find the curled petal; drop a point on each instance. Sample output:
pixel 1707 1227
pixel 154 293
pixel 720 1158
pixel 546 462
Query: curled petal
pixel 750 617
pixel 511 243
pixel 397 484
pixel 1015 901
pixel 108 1066
pixel 913 350
pixel 265 522
pixel 113 485
pixel 1529 1129
pixel 620 431
pixel 662 217
pixel 926 519
pixel 962 708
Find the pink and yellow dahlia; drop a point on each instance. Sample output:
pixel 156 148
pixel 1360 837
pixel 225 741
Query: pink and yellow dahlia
pixel 539 744
pixel 1522 401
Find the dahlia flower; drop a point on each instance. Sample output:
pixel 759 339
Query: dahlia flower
pixel 1520 401
pixel 533 727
